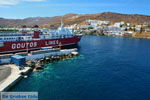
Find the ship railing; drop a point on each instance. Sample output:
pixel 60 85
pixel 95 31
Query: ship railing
pixel 15 34
pixel 65 36
pixel 58 36
pixel 15 40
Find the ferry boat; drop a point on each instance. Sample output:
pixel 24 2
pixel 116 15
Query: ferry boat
pixel 24 41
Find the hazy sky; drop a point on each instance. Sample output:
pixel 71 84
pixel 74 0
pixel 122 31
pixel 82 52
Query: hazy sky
pixel 47 8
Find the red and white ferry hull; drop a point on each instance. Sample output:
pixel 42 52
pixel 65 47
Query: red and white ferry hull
pixel 37 44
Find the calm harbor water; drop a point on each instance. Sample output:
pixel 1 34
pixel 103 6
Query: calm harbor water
pixel 108 68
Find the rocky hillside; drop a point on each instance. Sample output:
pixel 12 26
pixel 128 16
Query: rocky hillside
pixel 70 19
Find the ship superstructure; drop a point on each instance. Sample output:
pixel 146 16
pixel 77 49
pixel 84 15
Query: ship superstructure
pixel 21 41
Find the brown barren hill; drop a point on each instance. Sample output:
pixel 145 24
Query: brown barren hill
pixel 70 19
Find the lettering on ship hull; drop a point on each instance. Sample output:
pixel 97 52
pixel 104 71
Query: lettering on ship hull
pixel 24 45
pixel 55 42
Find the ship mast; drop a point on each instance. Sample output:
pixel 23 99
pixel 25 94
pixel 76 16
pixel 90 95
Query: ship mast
pixel 62 22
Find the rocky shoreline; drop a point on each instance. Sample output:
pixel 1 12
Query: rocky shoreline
pixel 145 35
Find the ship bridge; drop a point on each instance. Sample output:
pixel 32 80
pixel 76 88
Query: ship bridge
pixel 36 35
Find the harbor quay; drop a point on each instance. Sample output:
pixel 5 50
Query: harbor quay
pixel 13 67
pixel 12 77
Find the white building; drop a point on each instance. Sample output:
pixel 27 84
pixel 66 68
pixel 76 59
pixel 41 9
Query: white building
pixel 85 26
pixel 138 28
pixel 74 26
pixel 146 23
pixel 98 22
pixel 118 24
pixel 111 30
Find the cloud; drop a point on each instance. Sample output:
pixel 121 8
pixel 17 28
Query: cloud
pixel 8 2
pixel 14 2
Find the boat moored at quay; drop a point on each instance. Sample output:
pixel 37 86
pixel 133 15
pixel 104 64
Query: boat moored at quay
pixel 24 41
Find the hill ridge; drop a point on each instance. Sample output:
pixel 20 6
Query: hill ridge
pixel 72 18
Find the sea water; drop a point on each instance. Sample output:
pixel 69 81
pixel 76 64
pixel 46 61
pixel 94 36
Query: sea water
pixel 108 68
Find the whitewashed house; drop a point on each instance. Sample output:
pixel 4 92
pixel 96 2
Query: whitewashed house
pixel 98 22
pixel 118 24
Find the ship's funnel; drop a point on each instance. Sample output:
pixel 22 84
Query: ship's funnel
pixel 24 30
pixel 36 32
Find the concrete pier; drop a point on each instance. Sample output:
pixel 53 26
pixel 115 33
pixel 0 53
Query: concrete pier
pixel 14 76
